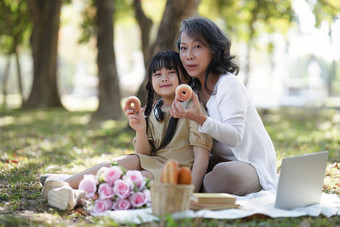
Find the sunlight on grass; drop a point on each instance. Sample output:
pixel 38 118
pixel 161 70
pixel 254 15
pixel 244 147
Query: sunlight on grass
pixel 6 121
pixel 73 103
pixel 80 120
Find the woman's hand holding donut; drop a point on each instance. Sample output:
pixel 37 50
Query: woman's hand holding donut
pixel 193 112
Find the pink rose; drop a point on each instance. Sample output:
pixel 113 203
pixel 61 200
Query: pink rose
pixel 147 195
pixel 100 173
pixel 102 205
pixel 136 177
pixel 89 185
pixel 105 191
pixel 122 204
pixel 122 188
pixel 112 174
pixel 138 199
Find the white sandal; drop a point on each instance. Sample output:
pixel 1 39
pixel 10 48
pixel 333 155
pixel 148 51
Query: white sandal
pixel 51 183
pixel 61 176
pixel 63 198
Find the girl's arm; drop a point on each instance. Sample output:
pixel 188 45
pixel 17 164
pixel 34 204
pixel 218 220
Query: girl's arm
pixel 138 123
pixel 142 145
pixel 200 166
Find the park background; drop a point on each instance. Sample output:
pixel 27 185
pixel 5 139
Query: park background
pixel 67 66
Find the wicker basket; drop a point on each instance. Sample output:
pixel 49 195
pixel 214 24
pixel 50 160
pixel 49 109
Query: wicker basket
pixel 170 198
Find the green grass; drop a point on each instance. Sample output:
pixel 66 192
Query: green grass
pixel 56 141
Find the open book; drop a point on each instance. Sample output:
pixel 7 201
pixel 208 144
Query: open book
pixel 212 201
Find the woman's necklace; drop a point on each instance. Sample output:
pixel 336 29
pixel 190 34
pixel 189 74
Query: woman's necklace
pixel 204 95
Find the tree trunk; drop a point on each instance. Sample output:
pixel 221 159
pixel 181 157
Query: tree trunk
pixel 145 25
pixel 44 42
pixel 4 82
pixel 19 76
pixel 175 11
pixel 109 94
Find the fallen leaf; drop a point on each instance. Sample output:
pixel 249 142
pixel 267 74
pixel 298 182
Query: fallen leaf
pixel 11 161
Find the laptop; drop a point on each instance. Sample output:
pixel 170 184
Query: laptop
pixel 301 180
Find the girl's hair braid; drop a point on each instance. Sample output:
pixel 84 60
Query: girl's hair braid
pixel 149 99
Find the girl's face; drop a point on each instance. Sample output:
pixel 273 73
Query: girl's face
pixel 165 82
pixel 195 56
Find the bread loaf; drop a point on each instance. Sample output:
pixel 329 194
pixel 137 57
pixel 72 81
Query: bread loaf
pixel 173 174
pixel 184 176
pixel 169 173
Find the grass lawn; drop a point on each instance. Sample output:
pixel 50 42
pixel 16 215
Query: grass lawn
pixel 36 142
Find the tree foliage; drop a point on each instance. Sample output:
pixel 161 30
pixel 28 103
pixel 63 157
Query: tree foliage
pixel 247 19
pixel 15 28
pixel 325 10
pixel 15 25
pixel 122 9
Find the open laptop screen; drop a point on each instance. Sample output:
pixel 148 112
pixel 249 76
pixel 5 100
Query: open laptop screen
pixel 301 180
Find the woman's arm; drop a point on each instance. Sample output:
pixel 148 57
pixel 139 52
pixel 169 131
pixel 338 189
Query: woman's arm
pixel 194 112
pixel 200 166
pixel 228 112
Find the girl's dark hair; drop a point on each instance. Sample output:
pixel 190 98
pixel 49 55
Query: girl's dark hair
pixel 206 31
pixel 170 60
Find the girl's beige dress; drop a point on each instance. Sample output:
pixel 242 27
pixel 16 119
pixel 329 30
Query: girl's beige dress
pixel 180 147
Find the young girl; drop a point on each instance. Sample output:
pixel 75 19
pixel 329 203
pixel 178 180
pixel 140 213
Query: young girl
pixel 159 137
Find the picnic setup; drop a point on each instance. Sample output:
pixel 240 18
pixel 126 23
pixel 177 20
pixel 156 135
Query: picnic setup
pixel 298 194
pixel 174 196
pixel 169 113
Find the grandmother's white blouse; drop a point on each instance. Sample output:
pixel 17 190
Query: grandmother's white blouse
pixel 238 131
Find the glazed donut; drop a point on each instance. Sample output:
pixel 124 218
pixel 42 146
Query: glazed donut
pixel 133 103
pixel 183 92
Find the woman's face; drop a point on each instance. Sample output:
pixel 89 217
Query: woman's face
pixel 195 56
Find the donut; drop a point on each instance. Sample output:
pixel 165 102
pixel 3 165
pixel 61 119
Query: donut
pixel 133 103
pixel 183 92
pixel 184 176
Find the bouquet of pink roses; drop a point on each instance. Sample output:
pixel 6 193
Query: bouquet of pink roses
pixel 116 189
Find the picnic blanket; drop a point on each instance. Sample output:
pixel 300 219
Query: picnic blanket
pixel 256 203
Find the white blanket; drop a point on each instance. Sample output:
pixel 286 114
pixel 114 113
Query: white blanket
pixel 256 203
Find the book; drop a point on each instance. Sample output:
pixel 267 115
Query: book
pixel 213 198
pixel 201 206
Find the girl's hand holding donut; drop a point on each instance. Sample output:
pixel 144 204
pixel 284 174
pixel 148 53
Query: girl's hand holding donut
pixel 135 114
